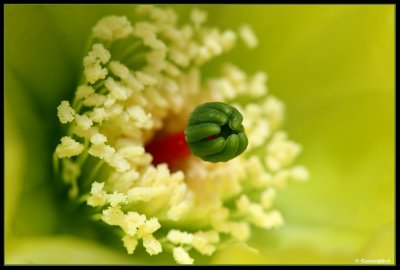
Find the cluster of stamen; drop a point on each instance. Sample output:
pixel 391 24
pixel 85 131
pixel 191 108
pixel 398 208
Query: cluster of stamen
pixel 141 80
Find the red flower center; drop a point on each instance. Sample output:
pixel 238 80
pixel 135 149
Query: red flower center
pixel 169 149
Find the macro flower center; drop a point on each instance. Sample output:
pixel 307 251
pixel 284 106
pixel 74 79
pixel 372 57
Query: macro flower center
pixel 131 131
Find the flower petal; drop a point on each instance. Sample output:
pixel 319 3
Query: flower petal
pixel 64 250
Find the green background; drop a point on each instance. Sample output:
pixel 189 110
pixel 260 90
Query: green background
pixel 332 65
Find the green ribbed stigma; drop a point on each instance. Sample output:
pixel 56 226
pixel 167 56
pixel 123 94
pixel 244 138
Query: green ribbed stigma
pixel 214 132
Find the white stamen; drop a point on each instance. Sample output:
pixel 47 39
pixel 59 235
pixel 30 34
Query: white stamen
pixel 181 256
pixel 112 28
pixel 65 113
pixel 248 36
pixel 69 148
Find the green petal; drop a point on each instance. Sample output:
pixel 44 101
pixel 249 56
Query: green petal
pixel 33 135
pixel 64 250
pixel 36 55
pixel 333 66
pixel 14 162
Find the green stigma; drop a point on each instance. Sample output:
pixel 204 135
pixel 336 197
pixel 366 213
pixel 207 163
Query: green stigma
pixel 214 132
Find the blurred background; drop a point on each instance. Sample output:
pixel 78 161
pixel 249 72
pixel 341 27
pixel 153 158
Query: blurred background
pixel 332 65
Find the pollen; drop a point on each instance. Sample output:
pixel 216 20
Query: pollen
pixel 83 121
pixel 65 112
pixel 248 36
pixel 181 256
pixel 69 148
pixel 152 245
pixel 98 196
pixel 98 138
pixel 92 63
pixel 178 237
pixel 112 27
pixel 84 91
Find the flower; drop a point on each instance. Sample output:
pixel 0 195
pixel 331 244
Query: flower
pixel 323 230
pixel 141 80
